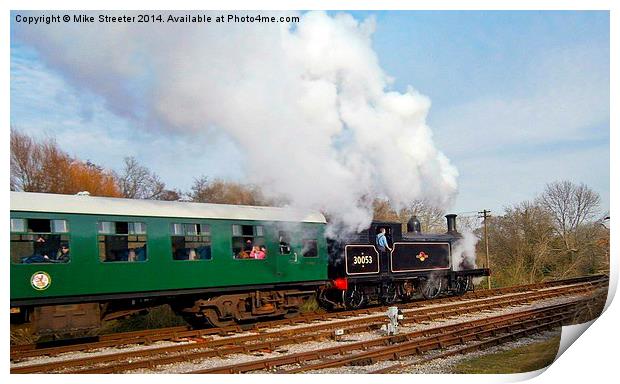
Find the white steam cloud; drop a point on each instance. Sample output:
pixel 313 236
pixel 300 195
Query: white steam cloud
pixel 307 104
pixel 464 252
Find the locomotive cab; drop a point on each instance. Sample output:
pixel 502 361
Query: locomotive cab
pixel 393 232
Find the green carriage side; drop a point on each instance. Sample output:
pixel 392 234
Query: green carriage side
pixel 126 252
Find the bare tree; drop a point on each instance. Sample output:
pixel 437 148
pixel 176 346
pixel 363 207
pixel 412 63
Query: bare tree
pixel 138 182
pixel 431 217
pixel 219 191
pixel 521 242
pixel 44 167
pixel 23 162
pixel 37 166
pixel 171 195
pixel 469 223
pixel 570 206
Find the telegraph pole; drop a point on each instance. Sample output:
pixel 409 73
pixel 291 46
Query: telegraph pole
pixel 485 214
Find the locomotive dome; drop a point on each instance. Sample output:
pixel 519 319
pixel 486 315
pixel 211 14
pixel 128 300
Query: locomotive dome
pixel 85 204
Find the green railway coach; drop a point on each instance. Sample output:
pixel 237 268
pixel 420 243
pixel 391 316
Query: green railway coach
pixel 78 259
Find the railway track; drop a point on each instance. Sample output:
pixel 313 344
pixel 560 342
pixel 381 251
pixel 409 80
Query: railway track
pixel 412 343
pixel 270 341
pixel 508 327
pixel 181 333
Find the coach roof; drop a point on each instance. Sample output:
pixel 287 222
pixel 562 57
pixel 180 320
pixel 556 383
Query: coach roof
pixel 53 203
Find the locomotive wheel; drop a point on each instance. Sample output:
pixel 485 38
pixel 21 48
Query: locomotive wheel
pixel 431 288
pixel 353 299
pixel 462 285
pixel 389 294
pixel 406 291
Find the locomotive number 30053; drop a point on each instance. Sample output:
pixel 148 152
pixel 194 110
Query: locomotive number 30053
pixel 362 259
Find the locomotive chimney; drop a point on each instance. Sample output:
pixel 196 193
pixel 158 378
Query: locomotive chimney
pixel 451 218
pixel 413 225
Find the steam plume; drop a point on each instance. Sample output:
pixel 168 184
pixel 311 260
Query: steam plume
pixel 308 105
pixel 464 252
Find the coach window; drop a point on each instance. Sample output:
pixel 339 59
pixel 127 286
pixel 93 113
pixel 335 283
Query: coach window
pixel 309 248
pixel 248 242
pixel 39 241
pixel 190 241
pixel 284 240
pixel 122 241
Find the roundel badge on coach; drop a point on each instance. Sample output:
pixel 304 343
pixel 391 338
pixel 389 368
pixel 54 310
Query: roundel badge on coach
pixel 40 280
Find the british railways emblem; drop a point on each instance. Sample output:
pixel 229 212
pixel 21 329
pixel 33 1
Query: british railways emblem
pixel 40 280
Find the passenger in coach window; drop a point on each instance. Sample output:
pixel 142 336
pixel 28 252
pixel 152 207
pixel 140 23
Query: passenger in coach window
pixel 248 246
pixel 41 248
pixel 63 255
pixel 262 252
pixel 258 252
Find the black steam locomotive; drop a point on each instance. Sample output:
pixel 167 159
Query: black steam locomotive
pixel 415 264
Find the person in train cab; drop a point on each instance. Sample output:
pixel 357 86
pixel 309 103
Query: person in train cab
pixel 192 254
pixel 382 242
pixel 131 256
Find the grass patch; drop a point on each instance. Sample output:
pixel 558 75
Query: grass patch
pixel 22 334
pixel 309 305
pixel 523 359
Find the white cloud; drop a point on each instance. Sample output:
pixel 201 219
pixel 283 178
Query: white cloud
pixel 44 105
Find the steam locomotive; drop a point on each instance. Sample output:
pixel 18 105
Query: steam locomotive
pixel 79 260
pixel 416 264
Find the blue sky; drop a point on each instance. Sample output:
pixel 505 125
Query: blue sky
pixel 519 99
pixel 472 63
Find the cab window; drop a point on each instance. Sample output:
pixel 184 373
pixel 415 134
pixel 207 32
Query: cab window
pixel 121 241
pixel 39 241
pixel 190 241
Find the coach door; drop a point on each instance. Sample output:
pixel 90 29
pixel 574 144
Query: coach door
pixel 287 254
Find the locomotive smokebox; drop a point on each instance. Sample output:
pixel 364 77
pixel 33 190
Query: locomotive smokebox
pixel 413 225
pixel 451 218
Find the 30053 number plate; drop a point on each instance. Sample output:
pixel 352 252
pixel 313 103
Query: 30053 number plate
pixel 361 259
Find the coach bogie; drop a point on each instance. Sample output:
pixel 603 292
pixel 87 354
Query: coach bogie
pixel 59 320
pixel 224 310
